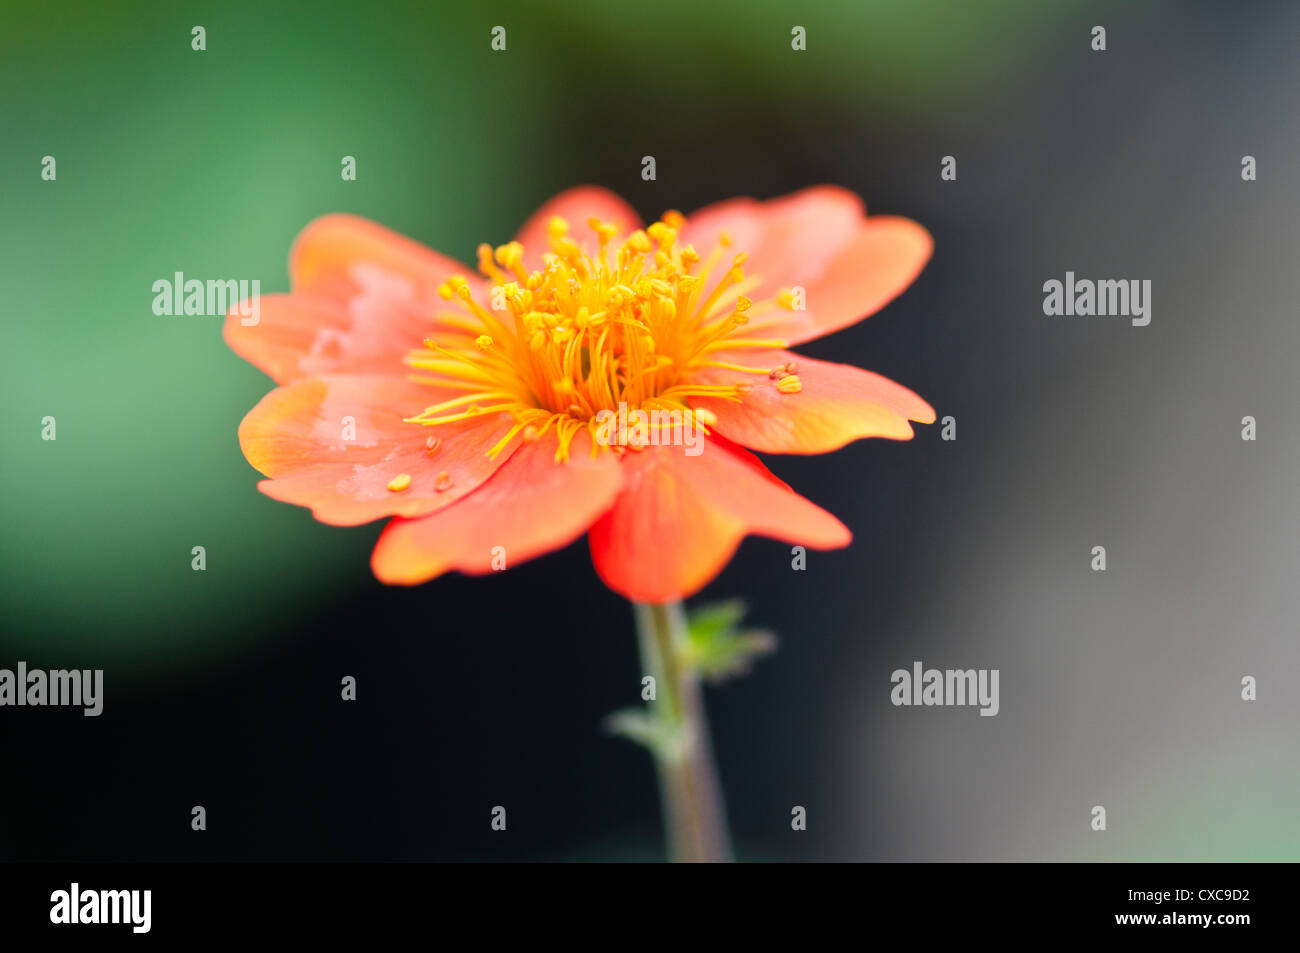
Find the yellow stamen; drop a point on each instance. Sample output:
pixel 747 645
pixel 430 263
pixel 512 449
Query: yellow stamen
pixel 632 324
pixel 400 482
pixel 486 266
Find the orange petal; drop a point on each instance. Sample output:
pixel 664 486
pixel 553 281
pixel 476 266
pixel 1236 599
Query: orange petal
pixel 298 435
pixel 532 505
pixel 849 265
pixel 884 257
pixel 796 235
pixel 363 297
pixel 327 252
pixel 836 404
pixel 680 519
pixel 575 206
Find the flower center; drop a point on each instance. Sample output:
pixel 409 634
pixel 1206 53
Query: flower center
pixel 630 327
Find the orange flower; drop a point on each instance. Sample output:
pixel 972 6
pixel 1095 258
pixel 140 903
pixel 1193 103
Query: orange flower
pixel 476 409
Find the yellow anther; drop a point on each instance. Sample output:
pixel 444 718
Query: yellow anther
pixel 673 219
pixel 638 242
pixel 485 263
pixel 400 482
pixel 510 255
pixel 557 227
pixel 724 239
pixel 567 248
pixel 743 304
pixel 605 231
pixel 706 416
pixel 663 235
pixel 789 384
pixel 484 341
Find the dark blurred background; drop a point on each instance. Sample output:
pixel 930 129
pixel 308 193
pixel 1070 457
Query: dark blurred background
pixel 1120 689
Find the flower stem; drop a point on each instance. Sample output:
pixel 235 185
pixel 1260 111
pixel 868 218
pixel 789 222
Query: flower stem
pixel 688 782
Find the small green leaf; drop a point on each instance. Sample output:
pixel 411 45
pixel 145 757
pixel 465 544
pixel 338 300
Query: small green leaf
pixel 643 727
pixel 715 646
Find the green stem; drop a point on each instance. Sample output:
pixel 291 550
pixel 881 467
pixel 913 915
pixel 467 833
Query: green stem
pixel 688 782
